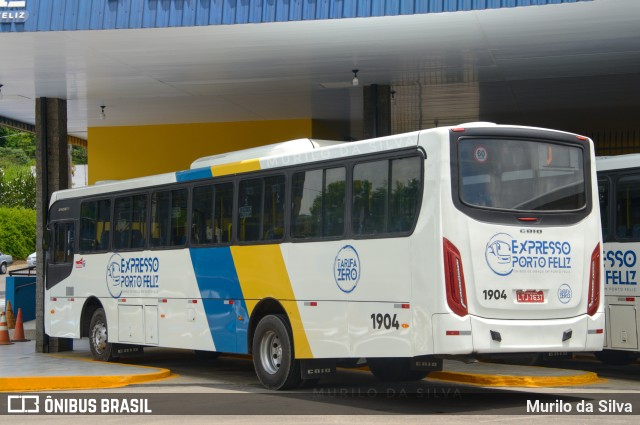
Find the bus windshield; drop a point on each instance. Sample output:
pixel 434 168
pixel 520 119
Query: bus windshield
pixel 521 175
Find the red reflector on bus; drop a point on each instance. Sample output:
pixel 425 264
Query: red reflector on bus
pixel 54 299
pixel 164 300
pixel 593 297
pixel 599 331
pixel 527 219
pixel 72 299
pixel 406 306
pixel 453 333
pixel 454 279
pixel 629 299
pixel 581 137
pixel 311 304
pixel 458 129
pixel 194 301
pixel 123 300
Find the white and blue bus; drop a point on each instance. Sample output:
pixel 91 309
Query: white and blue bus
pixel 480 238
pixel 619 191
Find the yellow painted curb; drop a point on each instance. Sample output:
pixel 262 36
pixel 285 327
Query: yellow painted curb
pixel 49 383
pixel 84 382
pixel 516 381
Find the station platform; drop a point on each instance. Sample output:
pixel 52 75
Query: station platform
pixel 22 369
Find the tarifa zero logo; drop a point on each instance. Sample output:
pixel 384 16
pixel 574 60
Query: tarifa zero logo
pixel 346 269
pixel 504 254
pixel 136 275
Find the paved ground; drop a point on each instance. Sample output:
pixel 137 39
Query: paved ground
pixel 76 370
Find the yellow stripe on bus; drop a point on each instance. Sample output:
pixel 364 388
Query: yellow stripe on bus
pixel 263 274
pixel 235 167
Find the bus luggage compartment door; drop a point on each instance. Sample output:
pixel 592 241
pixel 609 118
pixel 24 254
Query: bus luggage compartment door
pixel 151 324
pixel 130 323
pixel 624 327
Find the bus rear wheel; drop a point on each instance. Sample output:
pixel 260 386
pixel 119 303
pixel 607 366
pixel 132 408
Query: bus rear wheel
pixel 101 348
pixel 273 355
pixel 394 369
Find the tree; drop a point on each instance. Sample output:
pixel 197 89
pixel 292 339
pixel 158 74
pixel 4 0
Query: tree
pixel 18 189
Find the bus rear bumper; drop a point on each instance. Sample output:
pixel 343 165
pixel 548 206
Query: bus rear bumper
pixel 455 335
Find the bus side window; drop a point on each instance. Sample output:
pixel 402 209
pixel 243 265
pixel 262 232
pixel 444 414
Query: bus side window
pixel 64 239
pixel 169 218
pixel 628 207
pixel 95 224
pixel 385 196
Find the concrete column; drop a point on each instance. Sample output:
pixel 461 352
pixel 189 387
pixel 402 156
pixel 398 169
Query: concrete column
pixel 52 173
pixel 377 111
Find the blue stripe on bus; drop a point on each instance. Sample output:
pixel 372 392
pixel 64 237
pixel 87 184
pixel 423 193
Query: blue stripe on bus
pixel 197 174
pixel 218 282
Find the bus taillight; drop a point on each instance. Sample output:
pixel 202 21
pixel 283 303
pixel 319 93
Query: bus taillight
pixel 454 279
pixel 594 282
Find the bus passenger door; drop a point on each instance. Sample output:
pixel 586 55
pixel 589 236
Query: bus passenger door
pixel 59 265
pixel 60 258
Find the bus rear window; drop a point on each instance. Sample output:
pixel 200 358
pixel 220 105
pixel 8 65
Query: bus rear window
pixel 521 175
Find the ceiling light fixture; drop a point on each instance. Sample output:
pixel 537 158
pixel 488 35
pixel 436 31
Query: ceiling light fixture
pixel 103 116
pixel 355 80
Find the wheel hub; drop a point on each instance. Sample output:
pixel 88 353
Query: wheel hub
pixel 99 337
pixel 271 352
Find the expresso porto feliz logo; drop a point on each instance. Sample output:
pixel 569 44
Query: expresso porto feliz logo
pixel 10 11
pixel 135 275
pixel 346 269
pixel 505 254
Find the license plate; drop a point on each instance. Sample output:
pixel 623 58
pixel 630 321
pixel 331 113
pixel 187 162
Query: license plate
pixel 529 296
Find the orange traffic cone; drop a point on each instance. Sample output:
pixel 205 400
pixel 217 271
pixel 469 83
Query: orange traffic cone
pixel 18 333
pixel 4 331
pixel 11 319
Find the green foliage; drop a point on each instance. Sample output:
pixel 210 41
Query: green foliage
pixel 19 140
pixel 17 188
pixel 11 157
pixel 79 155
pixel 17 232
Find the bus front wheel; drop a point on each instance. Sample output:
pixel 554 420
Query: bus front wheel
pixel 101 349
pixel 273 355
pixel 394 369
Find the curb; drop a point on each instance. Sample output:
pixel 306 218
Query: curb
pixel 52 383
pixel 516 381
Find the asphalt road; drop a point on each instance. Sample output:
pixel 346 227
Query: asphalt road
pixel 228 388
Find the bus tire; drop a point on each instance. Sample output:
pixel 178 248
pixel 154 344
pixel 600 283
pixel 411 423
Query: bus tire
pixel 101 349
pixel 273 356
pixel 616 357
pixel 394 369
